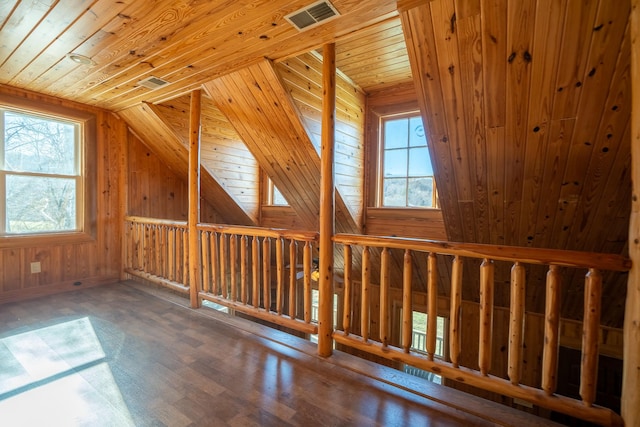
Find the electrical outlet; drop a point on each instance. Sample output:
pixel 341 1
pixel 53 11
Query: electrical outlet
pixel 35 267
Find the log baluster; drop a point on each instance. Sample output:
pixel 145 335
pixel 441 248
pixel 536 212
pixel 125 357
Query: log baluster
pixel 384 297
pixel 185 257
pixel 206 262
pixel 233 266
pixel 432 304
pixel 486 315
pixel 163 251
pixel 364 311
pixel 255 271
pixel 346 312
pixel 407 301
pixel 455 311
pixel 551 331
pixel 306 260
pixel 244 243
pixel 224 287
pixel 590 332
pixel 293 267
pixel 516 322
pixel 214 249
pixel 279 242
pixel 171 255
pixel 266 273
pixel 157 267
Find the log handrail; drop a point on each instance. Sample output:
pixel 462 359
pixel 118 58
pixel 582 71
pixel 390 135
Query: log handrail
pixel 537 256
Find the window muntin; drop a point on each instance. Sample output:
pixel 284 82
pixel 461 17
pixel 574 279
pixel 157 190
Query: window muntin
pixel 41 180
pixel 406 172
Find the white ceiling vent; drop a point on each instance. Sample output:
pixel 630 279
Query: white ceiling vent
pixel 312 15
pixel 152 82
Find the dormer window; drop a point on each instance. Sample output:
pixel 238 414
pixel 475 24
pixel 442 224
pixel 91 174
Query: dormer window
pixel 405 177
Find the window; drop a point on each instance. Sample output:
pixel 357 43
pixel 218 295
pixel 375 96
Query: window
pixel 419 344
pixel 41 179
pixel 274 197
pixel 406 178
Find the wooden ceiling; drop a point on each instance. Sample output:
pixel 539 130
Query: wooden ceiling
pixel 186 42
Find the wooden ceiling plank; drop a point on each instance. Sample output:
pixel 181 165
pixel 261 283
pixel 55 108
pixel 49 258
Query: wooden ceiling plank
pixel 546 47
pixel 416 24
pixel 613 16
pixel 572 61
pixel 469 29
pixel 494 51
pixel 557 150
pixel 23 20
pixel 607 142
pixel 60 17
pixel 446 43
pixel 6 10
pixel 495 137
pixel 520 33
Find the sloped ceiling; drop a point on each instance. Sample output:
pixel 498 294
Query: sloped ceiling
pixel 527 108
pixel 161 137
pixel 256 103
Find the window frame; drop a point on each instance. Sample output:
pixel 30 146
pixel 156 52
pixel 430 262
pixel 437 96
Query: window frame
pixel 269 194
pixel 378 191
pixel 86 169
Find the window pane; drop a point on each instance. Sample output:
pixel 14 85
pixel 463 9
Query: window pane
pixel 395 163
pixel 37 204
pixel 419 162
pixel 395 133
pixel 35 144
pixel 417 137
pixel 420 192
pixel 278 198
pixel 394 192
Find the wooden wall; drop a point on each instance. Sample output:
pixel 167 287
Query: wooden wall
pixel 302 78
pixel 154 190
pixel 88 259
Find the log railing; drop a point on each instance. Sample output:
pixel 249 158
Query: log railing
pixel 157 250
pixel 265 273
pixel 478 376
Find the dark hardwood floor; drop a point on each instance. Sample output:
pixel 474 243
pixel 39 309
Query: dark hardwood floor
pixel 119 356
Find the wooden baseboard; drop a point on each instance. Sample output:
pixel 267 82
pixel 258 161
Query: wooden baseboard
pixel 40 291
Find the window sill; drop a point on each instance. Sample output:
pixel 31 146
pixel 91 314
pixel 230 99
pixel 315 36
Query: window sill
pixel 53 239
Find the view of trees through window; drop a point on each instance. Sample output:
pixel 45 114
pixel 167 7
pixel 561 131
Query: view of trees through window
pixel 40 173
pixel 407 174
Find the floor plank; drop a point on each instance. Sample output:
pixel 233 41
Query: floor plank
pixel 117 356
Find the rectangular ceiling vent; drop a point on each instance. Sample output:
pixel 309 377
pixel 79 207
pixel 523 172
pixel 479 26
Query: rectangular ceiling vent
pixel 152 82
pixel 312 15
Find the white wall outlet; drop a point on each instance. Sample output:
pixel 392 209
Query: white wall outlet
pixel 35 267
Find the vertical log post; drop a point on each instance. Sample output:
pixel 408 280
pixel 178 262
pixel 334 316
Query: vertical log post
pixel 279 274
pixel 551 331
pixel 486 315
pixel 631 349
pixel 224 286
pixel 215 255
pixel 325 285
pixel 346 312
pixel 432 304
pixel 206 275
pixel 266 273
pixel 516 322
pixel 194 196
pixel 590 332
pixel 233 267
pixel 455 311
pixel 407 301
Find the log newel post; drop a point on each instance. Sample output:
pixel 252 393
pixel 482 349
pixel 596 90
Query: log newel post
pixel 631 349
pixel 194 196
pixel 325 285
